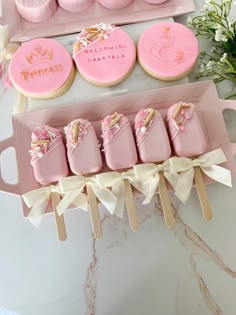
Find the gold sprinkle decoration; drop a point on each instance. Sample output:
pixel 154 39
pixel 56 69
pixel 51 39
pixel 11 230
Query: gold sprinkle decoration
pixel 115 119
pixel 149 117
pixel 179 108
pixel 40 142
pixel 76 132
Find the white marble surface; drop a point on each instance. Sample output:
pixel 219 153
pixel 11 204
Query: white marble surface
pixel 188 270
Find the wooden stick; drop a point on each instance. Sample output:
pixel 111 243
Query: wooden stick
pixel 60 223
pixel 94 213
pixel 202 193
pixel 131 208
pixel 165 202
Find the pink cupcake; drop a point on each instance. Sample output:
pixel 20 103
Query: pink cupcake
pixel 36 11
pixel 48 155
pixel 115 4
pixel 75 5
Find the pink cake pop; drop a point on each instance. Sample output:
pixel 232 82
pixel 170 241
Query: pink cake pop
pixel 75 5
pixel 114 4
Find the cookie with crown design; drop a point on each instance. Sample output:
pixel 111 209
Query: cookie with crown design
pixel 104 54
pixel 41 68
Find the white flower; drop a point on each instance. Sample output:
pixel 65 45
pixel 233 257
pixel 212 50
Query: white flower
pixel 189 21
pixel 210 65
pixel 220 34
pixel 202 68
pixel 207 2
pixel 224 58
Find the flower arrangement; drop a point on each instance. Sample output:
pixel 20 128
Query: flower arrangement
pixel 215 24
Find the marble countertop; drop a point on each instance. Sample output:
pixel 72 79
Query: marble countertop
pixel 188 270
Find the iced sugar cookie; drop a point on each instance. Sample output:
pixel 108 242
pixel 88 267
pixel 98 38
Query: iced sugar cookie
pixel 114 4
pixel 168 51
pixel 41 68
pixel 75 5
pixel 36 10
pixel 104 54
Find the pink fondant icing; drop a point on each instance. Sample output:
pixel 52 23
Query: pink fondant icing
pixel 48 159
pixel 152 139
pixel 75 5
pixel 40 67
pixel 115 4
pixel 168 50
pixel 83 152
pixel 105 58
pixel 118 142
pixel 36 10
pixel 186 131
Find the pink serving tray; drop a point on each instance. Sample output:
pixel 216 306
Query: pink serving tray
pixel 64 22
pixel 202 94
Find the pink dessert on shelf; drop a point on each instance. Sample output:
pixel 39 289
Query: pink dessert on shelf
pixel 41 68
pixel 186 130
pixel 118 142
pixel 115 4
pixel 104 54
pixel 155 1
pixel 48 155
pixel 36 10
pixel 168 51
pixel 151 136
pixel 75 5
pixel 83 150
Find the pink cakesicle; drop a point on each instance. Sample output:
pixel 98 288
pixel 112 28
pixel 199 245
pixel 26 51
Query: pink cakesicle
pixel 189 140
pixel 83 150
pixel 118 141
pixel 36 11
pixel 151 136
pixel 120 153
pixel 154 146
pixel 186 132
pixel 48 155
pixel 84 157
pixel 75 5
pixel 48 158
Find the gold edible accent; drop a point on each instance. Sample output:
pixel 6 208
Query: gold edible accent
pixel 40 142
pixel 76 132
pixel 115 119
pixel 178 110
pixel 149 117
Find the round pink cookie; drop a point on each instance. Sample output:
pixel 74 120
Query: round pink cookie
pixel 36 11
pixel 168 51
pixel 104 54
pixel 41 68
pixel 115 4
pixel 75 5
pixel 155 1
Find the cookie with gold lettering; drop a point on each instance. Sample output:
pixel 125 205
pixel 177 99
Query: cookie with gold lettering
pixel 104 54
pixel 41 68
pixel 168 51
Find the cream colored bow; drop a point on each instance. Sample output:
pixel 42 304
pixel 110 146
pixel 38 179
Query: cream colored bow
pixel 38 200
pixel 149 173
pixel 73 188
pixel 7 49
pixel 208 164
pixel 115 180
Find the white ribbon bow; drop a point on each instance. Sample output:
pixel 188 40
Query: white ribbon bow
pixel 73 188
pixel 38 200
pixel 208 164
pixel 115 180
pixel 149 174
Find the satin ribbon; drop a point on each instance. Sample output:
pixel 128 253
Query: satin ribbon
pixel 38 200
pixel 73 188
pixel 208 164
pixel 149 173
pixel 7 50
pixel 116 181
